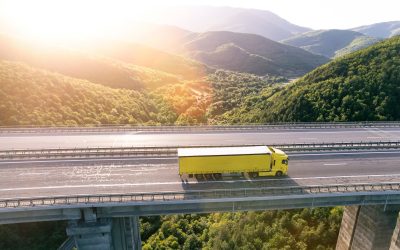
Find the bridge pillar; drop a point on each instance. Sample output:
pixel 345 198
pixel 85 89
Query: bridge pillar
pixel 395 244
pixel 126 233
pixel 90 233
pixel 367 227
pixel 105 234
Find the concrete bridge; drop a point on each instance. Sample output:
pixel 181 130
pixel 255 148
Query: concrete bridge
pixel 43 177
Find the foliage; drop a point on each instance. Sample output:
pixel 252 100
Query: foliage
pixel 30 96
pixel 229 89
pixel 250 53
pixel 361 86
pixel 294 229
pixel 38 235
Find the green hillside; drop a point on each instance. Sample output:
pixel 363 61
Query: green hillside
pixel 145 56
pixel 92 67
pixel 30 96
pixel 361 86
pixel 331 43
pixel 250 53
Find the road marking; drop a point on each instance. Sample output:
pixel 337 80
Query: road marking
pixel 308 138
pixel 86 160
pixel 335 164
pixel 347 153
pixel 181 182
pixel 45 173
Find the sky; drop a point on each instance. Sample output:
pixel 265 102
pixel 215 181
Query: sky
pixel 69 18
pixel 315 14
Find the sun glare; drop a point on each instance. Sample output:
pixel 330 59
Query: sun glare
pixel 69 20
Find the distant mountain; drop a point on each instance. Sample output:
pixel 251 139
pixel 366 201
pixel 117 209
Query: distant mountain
pixel 249 53
pixel 331 43
pixel 380 30
pixel 130 66
pixel 207 18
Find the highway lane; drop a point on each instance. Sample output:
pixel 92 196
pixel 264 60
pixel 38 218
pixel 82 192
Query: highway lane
pixel 130 139
pixel 90 176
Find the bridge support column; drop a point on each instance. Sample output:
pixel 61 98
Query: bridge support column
pixel 395 244
pixel 367 227
pixel 126 233
pixel 91 233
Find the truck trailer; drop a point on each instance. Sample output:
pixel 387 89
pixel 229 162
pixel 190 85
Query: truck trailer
pixel 214 162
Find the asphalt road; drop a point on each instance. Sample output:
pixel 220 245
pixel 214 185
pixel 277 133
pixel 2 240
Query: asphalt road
pixel 91 176
pixel 128 139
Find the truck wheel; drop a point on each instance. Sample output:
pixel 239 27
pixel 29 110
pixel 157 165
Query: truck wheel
pixel 253 174
pixel 217 176
pixel 208 176
pixel 199 177
pixel 279 173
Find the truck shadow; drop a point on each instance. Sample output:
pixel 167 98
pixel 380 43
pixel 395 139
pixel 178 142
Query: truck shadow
pixel 239 182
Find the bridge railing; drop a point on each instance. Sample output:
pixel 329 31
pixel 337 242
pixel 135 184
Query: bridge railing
pixel 203 127
pixel 172 150
pixel 385 188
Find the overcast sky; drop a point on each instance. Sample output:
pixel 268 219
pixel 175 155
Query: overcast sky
pixel 316 14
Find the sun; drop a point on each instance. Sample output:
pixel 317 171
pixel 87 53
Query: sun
pixel 69 20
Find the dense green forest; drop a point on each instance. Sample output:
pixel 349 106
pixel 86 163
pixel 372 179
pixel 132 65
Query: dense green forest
pixel 32 96
pixel 293 229
pixel 363 86
pixel 34 236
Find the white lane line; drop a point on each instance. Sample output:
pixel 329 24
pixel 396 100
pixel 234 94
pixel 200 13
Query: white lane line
pixel 175 157
pixel 181 182
pixel 308 138
pixel 86 160
pixel 348 153
pixel 335 164
pixel 34 173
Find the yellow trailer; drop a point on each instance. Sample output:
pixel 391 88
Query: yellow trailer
pixel 216 161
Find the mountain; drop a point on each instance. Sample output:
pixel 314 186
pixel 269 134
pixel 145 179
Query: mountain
pixel 249 53
pixel 362 86
pixel 208 18
pixel 117 65
pixel 331 43
pixel 31 96
pixel 380 30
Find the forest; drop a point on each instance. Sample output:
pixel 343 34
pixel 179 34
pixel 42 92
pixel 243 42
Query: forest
pixel 363 85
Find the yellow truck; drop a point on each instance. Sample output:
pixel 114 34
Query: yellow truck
pixel 213 162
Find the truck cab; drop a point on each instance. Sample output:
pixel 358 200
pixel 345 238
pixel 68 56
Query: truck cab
pixel 280 162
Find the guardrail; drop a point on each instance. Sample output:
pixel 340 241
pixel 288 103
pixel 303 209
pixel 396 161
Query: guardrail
pixel 184 128
pixel 172 150
pixel 385 188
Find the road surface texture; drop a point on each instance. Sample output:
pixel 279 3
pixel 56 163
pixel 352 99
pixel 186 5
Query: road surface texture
pixel 34 178
pixel 129 139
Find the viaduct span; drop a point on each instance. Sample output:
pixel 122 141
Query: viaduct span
pixel 101 180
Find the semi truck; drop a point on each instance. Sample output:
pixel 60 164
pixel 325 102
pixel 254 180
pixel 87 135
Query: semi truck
pixel 214 162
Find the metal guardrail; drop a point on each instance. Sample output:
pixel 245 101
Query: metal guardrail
pixel 386 188
pixel 172 150
pixel 171 128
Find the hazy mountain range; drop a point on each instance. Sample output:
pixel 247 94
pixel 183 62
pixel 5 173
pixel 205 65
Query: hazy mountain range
pixel 331 43
pixel 380 30
pixel 207 18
